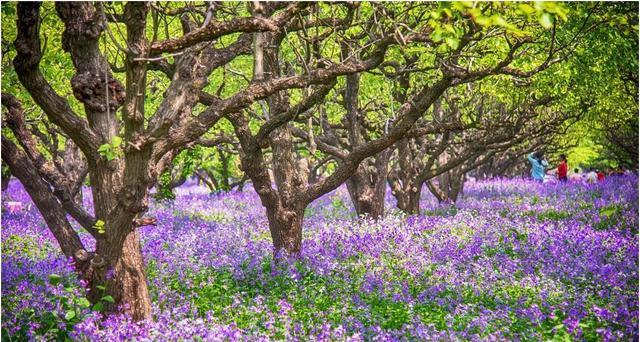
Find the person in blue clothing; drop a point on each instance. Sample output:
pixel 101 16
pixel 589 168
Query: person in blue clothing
pixel 538 165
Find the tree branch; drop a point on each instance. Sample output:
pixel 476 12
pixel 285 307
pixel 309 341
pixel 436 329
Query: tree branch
pixel 62 187
pixel 57 108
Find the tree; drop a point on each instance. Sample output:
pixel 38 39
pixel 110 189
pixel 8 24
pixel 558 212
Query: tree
pixel 488 128
pixel 603 69
pixel 285 203
pixel 124 146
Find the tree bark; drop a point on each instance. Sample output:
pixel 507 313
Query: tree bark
pixel 119 186
pixel 286 214
pixel 75 169
pixel 285 226
pixel 403 179
pixel 450 184
pixel 224 170
pixel 367 186
pixel 121 270
pixel 409 201
pixel 436 190
pixel 6 177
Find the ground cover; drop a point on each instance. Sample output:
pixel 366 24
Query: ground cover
pixel 512 260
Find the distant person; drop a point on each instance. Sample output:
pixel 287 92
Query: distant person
pixel 538 164
pixel 575 176
pixel 591 176
pixel 562 168
pixel 601 175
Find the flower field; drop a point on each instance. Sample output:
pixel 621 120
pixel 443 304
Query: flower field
pixel 513 260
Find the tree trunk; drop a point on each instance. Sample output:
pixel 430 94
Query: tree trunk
pixel 6 177
pixel 436 190
pixel 366 201
pixel 457 186
pixel 177 182
pixel 75 168
pixel 449 186
pixel 285 226
pixel 404 177
pixel 121 270
pixel 203 177
pixel 367 186
pixel 286 215
pixel 118 252
pixel 409 201
pixel 224 170
pixel 285 220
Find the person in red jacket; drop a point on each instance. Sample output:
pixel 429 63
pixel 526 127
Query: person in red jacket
pixel 600 176
pixel 562 168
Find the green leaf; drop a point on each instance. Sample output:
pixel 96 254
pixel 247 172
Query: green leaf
pixel 98 307
pixel 7 9
pixel 111 150
pixel 526 9
pixel 70 315
pixel 108 299
pixel 106 151
pixel 462 5
pixel 608 211
pixel 499 21
pixel 483 21
pixel 99 226
pixel 436 35
pixel 452 42
pixel 116 141
pixel 546 20
pixel 474 12
pixel 54 279
pixel 83 303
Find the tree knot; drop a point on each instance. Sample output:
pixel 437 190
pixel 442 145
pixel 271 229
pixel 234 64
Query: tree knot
pixel 98 261
pixel 81 255
pixel 92 90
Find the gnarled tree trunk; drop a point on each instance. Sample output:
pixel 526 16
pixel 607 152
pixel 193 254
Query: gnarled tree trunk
pixel 367 186
pixel 448 187
pixel 409 201
pixel 403 179
pixel 285 226
pixel 121 270
pixel 119 186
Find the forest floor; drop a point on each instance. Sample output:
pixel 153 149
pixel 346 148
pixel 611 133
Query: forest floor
pixel 512 260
